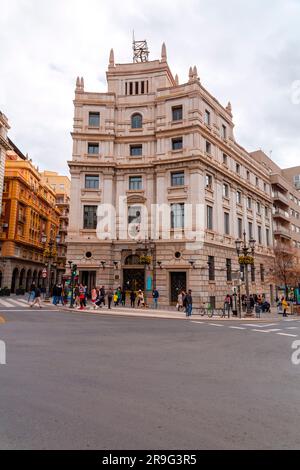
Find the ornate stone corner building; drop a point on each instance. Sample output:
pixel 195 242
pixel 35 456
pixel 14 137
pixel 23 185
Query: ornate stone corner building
pixel 160 142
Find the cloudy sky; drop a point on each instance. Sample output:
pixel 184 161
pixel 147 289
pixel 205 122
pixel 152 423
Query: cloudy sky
pixel 246 52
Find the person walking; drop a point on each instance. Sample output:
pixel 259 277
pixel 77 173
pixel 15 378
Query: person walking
pixel 31 292
pixel 285 305
pixel 123 297
pixel 227 305
pixel 102 295
pixel 94 295
pixel 116 298
pixel 155 295
pixel 141 300
pixel 82 297
pixel 37 298
pixel 179 305
pixel 189 303
pixel 132 299
pixel 59 294
pixel 109 298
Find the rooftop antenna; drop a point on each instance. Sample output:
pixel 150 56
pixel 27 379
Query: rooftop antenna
pixel 140 50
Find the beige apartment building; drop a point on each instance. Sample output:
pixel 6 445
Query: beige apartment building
pixel 61 185
pixel 4 146
pixel 158 141
pixel 286 202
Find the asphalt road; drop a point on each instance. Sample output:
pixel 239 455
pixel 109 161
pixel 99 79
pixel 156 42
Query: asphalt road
pixel 80 381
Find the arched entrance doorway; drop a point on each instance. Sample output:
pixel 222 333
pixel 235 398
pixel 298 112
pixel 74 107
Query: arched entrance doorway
pixel 14 280
pixel 22 278
pixel 28 280
pixel 133 273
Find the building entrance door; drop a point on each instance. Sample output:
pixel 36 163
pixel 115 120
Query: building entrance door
pixel 133 279
pixel 88 278
pixel 177 284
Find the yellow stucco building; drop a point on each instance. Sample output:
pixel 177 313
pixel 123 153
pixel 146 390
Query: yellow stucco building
pixel 28 211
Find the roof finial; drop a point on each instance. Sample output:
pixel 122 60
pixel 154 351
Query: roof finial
pixel 229 108
pixel 163 53
pixel 77 84
pixel 195 73
pixel 82 84
pixel 111 58
pixel 176 79
pixel 190 74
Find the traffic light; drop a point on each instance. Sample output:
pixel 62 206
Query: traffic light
pixel 74 270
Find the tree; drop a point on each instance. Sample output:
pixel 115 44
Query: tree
pixel 286 269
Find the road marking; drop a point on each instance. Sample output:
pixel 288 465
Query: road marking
pixel 273 330
pixel 18 303
pixel 237 327
pixel 262 331
pixel 198 322
pixel 292 328
pixel 4 303
pixel 264 325
pixel 215 324
pixel 287 334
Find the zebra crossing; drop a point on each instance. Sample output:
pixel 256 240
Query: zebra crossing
pixel 13 303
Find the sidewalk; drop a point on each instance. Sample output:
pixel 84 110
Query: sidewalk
pixel 160 313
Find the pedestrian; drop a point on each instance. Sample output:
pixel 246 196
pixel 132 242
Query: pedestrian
pixel 102 295
pixel 81 297
pixel 179 305
pixel 109 298
pixel 116 298
pixel 94 295
pixel 85 295
pixel 189 303
pixel 227 305
pixel 141 299
pixel 155 295
pixel 59 294
pixel 285 305
pixel 123 297
pixel 132 298
pixel 31 292
pixel 43 292
pixel 37 298
pixel 76 296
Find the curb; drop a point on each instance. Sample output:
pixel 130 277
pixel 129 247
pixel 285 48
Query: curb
pixel 153 314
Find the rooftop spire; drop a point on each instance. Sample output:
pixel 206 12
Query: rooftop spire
pixel 190 74
pixel 176 79
pixel 111 58
pixel 229 108
pixel 163 53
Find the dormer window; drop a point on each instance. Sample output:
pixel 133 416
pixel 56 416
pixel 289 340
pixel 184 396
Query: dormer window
pixel 136 121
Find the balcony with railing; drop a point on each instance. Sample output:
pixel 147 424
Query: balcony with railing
pixel 280 213
pixel 279 196
pixel 281 231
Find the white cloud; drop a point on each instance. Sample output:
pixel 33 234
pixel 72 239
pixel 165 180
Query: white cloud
pixel 245 52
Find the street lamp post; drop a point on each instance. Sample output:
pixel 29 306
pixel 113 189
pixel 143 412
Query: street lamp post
pixel 246 256
pixel 49 253
pixel 149 246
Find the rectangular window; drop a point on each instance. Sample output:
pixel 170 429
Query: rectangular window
pixel 208 181
pixel 207 117
pixel 248 175
pixel 240 228
pixel 177 143
pixel 250 230
pixel 130 88
pixel 259 234
pixel 268 237
pixel 238 197
pixel 177 179
pixel 177 215
pixel 94 119
pixel 135 183
pixel 209 217
pixel 211 268
pixel 249 203
pixel 92 181
pixel 142 88
pixel 208 147
pixel 225 159
pixel 258 207
pixel 90 217
pixel 238 168
pixel 176 113
pixel 225 190
pixel 224 132
pixel 256 181
pixel 228 269
pixel 93 149
pixel 134 214
pixel 226 223
pixel 136 150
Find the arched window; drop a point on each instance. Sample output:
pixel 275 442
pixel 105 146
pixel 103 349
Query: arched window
pixel 136 121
